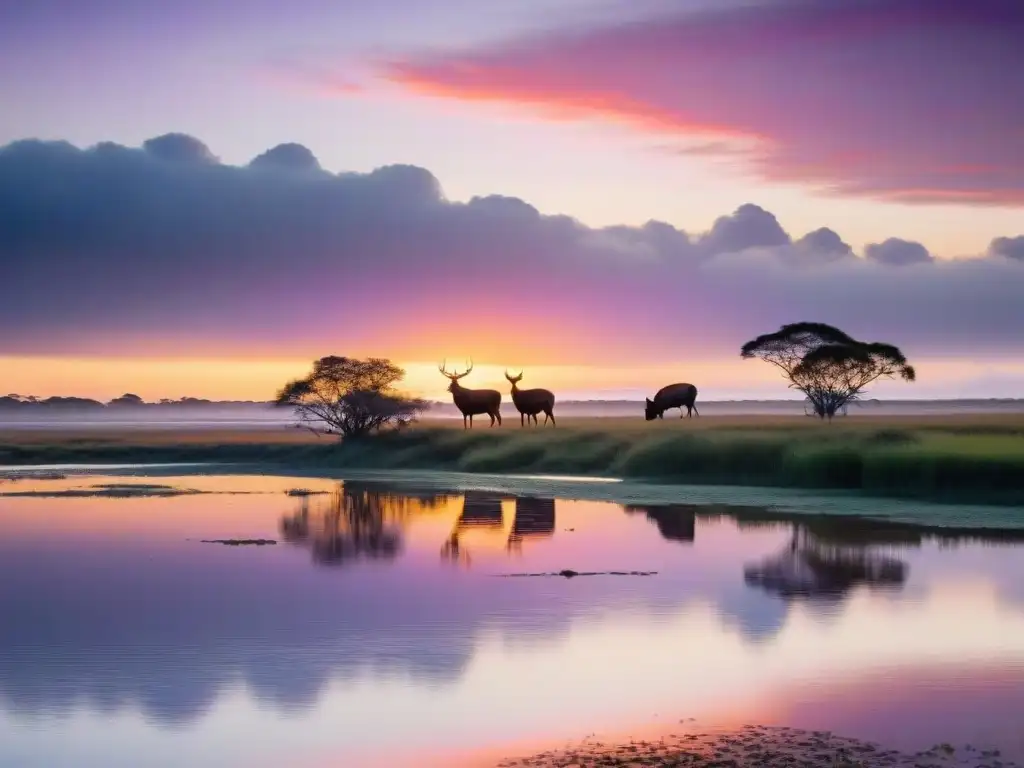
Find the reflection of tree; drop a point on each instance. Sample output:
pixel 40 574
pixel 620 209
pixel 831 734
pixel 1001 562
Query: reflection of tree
pixel 676 522
pixel 535 518
pixel 107 645
pixel 480 510
pixel 858 532
pixel 358 521
pixel 817 567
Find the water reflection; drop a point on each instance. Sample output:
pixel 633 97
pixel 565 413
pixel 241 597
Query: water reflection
pixel 481 510
pixel 814 568
pixel 676 522
pixel 535 519
pixel 171 629
pixel 356 521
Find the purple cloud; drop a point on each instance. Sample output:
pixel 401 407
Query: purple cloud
pixel 113 249
pixel 917 101
pixel 823 245
pixel 180 148
pixel 750 226
pixel 289 156
pixel 1008 247
pixel 898 253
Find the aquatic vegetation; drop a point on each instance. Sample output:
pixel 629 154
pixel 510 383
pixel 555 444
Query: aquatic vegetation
pixel 301 492
pixel 568 573
pixel 108 490
pixel 240 542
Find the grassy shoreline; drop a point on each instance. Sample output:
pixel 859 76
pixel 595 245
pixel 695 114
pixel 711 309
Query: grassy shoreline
pixel 966 458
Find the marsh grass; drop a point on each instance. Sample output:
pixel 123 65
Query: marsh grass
pixel 978 459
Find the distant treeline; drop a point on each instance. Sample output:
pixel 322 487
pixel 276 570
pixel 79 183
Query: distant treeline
pixel 21 403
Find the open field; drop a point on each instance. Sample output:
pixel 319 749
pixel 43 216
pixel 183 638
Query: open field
pixel 960 457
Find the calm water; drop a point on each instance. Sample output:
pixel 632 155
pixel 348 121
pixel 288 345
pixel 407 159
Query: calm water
pixel 379 625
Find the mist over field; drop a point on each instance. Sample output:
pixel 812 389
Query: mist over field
pixel 260 415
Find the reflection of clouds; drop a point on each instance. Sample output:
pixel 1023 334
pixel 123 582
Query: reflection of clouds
pixel 190 623
pixel 169 644
pixel 978 703
pixel 758 618
pixel 826 559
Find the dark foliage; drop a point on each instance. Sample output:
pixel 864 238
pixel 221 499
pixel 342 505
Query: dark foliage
pixel 351 397
pixel 17 402
pixel 127 399
pixel 827 365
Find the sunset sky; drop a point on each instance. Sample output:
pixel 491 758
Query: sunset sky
pixel 200 197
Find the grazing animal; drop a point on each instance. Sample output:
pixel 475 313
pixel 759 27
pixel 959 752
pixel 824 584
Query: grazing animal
pixel 472 402
pixel 530 402
pixel 673 396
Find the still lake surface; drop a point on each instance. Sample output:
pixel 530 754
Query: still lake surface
pixel 382 625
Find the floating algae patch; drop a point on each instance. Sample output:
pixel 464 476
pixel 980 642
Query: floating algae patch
pixel 14 477
pixel 301 492
pixel 568 573
pixel 109 490
pixel 240 542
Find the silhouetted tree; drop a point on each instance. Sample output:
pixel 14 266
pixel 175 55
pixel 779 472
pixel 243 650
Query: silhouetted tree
pixel 352 397
pixel 827 365
pixel 127 399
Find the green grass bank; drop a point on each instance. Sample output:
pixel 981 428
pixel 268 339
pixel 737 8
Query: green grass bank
pixel 949 460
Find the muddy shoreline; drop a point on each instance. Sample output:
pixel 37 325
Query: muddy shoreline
pixel 759 747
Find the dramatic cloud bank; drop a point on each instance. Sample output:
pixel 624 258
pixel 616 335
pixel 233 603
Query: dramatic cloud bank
pixel 901 100
pixel 164 249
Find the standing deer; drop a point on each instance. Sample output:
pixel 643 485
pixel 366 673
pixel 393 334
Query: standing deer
pixel 530 402
pixel 673 396
pixel 472 401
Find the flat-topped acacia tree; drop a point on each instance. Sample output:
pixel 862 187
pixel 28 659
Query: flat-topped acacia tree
pixel 349 396
pixel 830 367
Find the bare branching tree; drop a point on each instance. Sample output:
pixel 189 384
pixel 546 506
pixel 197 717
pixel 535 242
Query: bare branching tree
pixel 351 397
pixel 831 368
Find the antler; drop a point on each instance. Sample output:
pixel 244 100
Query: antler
pixel 513 378
pixel 454 376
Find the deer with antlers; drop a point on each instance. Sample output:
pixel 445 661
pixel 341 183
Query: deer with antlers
pixel 530 402
pixel 472 402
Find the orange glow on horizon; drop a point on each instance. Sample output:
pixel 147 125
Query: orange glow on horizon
pixel 240 379
pixel 154 378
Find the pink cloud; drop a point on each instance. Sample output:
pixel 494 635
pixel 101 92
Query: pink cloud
pixel 917 101
pixel 319 81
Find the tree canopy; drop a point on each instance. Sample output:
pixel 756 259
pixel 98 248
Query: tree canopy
pixel 350 396
pixel 830 367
